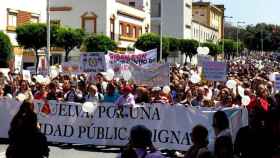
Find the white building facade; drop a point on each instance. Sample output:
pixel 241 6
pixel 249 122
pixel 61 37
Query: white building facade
pixel 176 18
pixel 203 33
pixel 117 19
pixel 14 13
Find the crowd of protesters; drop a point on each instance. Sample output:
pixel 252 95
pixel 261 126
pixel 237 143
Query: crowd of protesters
pixel 253 74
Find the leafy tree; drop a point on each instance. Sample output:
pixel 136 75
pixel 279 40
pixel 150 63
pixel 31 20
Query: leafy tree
pixel 214 49
pixel 32 36
pixel 5 50
pixel 253 35
pixel 151 41
pixel 99 43
pixel 174 44
pixel 189 47
pixel 68 39
pixel 165 48
pixel 229 48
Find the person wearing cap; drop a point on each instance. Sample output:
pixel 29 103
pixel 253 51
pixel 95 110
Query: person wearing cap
pixel 140 144
pixel 127 98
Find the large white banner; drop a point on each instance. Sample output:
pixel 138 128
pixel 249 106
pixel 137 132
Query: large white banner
pixel 171 125
pixel 120 62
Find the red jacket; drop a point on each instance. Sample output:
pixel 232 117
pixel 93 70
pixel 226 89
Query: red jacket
pixel 258 100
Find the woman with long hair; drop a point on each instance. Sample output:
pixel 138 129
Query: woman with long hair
pixel 25 138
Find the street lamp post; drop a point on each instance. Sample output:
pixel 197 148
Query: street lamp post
pixel 230 17
pixel 237 34
pixel 161 18
pixel 48 36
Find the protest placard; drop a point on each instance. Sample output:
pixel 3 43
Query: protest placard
pixel 120 62
pixel 26 75
pixel 93 62
pixel 43 66
pixel 203 58
pixel 277 81
pixel 71 67
pixel 157 76
pixel 214 71
pixel 18 63
pixel 31 69
pixel 66 122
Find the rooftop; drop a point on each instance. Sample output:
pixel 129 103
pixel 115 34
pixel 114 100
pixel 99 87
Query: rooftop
pixel 127 3
pixel 218 7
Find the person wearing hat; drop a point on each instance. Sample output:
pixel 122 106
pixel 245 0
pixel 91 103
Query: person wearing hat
pixel 140 144
pixel 127 98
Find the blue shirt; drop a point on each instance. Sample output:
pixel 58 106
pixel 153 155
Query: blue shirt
pixel 111 99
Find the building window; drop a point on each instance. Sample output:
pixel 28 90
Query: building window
pixel 188 26
pixel 55 59
pixel 121 29
pixel 89 25
pixel 11 21
pixel 140 31
pixel 55 22
pixel 134 32
pixel 188 6
pixel 89 22
pixel 127 31
pixel 34 19
pixel 132 4
pixel 112 27
pixel 147 28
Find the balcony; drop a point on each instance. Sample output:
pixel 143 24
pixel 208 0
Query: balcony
pixel 11 28
pixel 127 38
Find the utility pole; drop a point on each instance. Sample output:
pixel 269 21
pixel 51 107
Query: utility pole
pixel 161 24
pixel 48 37
pixel 237 39
pixel 262 40
pixel 230 17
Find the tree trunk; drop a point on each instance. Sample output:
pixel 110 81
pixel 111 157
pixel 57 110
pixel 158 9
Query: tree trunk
pixel 66 55
pixel 186 59
pixel 37 61
pixel 190 58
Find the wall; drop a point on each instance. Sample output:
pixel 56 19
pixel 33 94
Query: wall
pixel 176 18
pixel 202 33
pixel 173 23
pixel 73 18
pixel 187 19
pixel 32 6
pixel 200 14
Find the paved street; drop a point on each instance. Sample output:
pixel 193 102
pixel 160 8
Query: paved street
pixel 57 152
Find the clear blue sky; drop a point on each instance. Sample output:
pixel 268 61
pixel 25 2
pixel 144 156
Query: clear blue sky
pixel 252 11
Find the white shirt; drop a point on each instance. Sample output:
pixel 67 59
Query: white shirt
pixel 125 101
